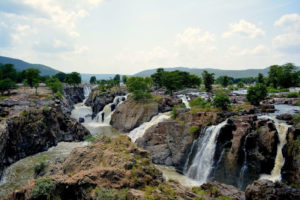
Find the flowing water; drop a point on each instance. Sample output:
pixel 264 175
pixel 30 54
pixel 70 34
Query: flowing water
pixel 184 100
pixel 275 175
pixel 140 131
pixel 202 163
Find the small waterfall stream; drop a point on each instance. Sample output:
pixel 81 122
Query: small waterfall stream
pixel 202 163
pixel 185 100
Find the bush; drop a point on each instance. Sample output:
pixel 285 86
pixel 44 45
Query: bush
pixel 222 101
pixel 39 168
pixel 43 188
pixel 240 85
pixel 292 95
pixel 173 113
pixel 199 102
pixel 110 194
pixel 296 120
pixel 194 130
pixel 256 94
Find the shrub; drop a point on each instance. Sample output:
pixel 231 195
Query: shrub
pixel 110 194
pixel 296 119
pixel 292 95
pixel 256 94
pixel 39 168
pixel 173 113
pixel 43 188
pixel 222 101
pixel 194 130
pixel 240 85
pixel 199 102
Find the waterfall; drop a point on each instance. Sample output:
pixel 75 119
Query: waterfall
pixel 87 90
pixel 140 131
pixel 202 163
pixel 184 100
pixel 275 175
pixel 244 168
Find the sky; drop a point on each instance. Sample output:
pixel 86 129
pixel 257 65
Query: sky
pixel 118 36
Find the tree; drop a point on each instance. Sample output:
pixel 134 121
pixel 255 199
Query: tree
pixel 124 79
pixel 256 94
pixel 61 76
pixel 240 84
pixel 32 76
pixel 172 81
pixel 93 80
pixel 260 78
pixel 8 71
pixel 117 79
pixel 6 85
pixel 139 87
pixel 222 101
pixel 208 79
pixel 224 81
pixel 158 77
pixel 73 78
pixel 54 84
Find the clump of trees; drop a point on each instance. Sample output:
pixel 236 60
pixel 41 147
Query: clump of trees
pixel 140 87
pixel 55 85
pixel 283 76
pixel 175 80
pixel 208 79
pixel 257 93
pixel 8 78
pixel 221 100
pixel 93 80
pixel 73 79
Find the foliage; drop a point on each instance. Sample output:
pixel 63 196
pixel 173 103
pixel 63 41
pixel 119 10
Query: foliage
pixel 61 76
pixel 6 85
pixel 40 167
pixel 158 77
pixel 32 77
pixel 292 95
pixel 260 78
pixel 256 94
pixel 283 76
pixel 55 85
pixel 199 102
pixel 8 71
pixel 208 79
pixel 73 78
pixel 174 109
pixel 240 84
pixel 296 119
pixel 124 79
pixel 139 86
pixel 117 79
pixel 43 188
pixel 194 130
pixel 224 81
pixel 110 194
pixel 221 100
pixel 93 80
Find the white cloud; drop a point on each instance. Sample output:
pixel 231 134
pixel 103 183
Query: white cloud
pixel 194 36
pixel 244 29
pixel 259 50
pixel 288 43
pixel 290 21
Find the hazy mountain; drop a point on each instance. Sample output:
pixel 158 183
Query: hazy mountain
pixel 218 72
pixel 22 65
pixel 86 77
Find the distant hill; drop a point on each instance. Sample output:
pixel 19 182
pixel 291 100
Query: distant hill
pixel 22 65
pixel 217 72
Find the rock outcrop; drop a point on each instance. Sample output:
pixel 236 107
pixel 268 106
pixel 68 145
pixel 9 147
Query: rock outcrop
pixel 290 101
pixel 98 100
pixel 73 95
pixel 36 130
pixel 132 114
pixel 265 189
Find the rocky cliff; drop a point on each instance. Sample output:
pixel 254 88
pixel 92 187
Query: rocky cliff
pixel 132 114
pixel 35 130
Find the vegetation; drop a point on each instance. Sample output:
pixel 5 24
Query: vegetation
pixel 240 84
pixel 256 94
pixel 43 188
pixel 174 109
pixel 93 80
pixel 54 84
pixel 296 120
pixel 140 88
pixel 39 168
pixel 199 102
pixel 222 101
pixel 6 85
pixel 260 78
pixel 292 95
pixel 224 81
pixel 61 76
pixel 110 194
pixel 284 76
pixel 73 78
pixel 117 79
pixel 208 79
pixel 124 79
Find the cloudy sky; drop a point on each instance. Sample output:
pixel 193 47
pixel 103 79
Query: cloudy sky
pixel 127 36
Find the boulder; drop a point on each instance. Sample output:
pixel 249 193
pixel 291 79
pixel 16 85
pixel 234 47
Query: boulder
pixel 267 108
pixel 265 189
pixel 285 117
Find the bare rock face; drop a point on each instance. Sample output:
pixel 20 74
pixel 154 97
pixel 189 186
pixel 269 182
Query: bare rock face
pixel 290 101
pixel 34 131
pixel 74 95
pixel 108 163
pixel 265 189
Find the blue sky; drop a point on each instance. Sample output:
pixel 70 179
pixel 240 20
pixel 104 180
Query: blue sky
pixel 117 36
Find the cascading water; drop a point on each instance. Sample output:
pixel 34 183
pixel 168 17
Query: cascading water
pixel 202 163
pixel 184 100
pixel 275 175
pixel 244 168
pixel 140 131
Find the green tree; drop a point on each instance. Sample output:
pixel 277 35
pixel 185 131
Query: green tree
pixel 172 81
pixel 257 93
pixel 61 76
pixel 6 85
pixel 93 80
pixel 73 78
pixel 240 84
pixel 208 79
pixel 8 71
pixel 222 101
pixel 55 85
pixel 32 77
pixel 224 81
pixel 158 77
pixel 260 78
pixel 124 79
pixel 117 79
pixel 139 87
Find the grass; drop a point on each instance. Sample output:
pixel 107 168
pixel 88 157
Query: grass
pixel 43 188
pixel 110 194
